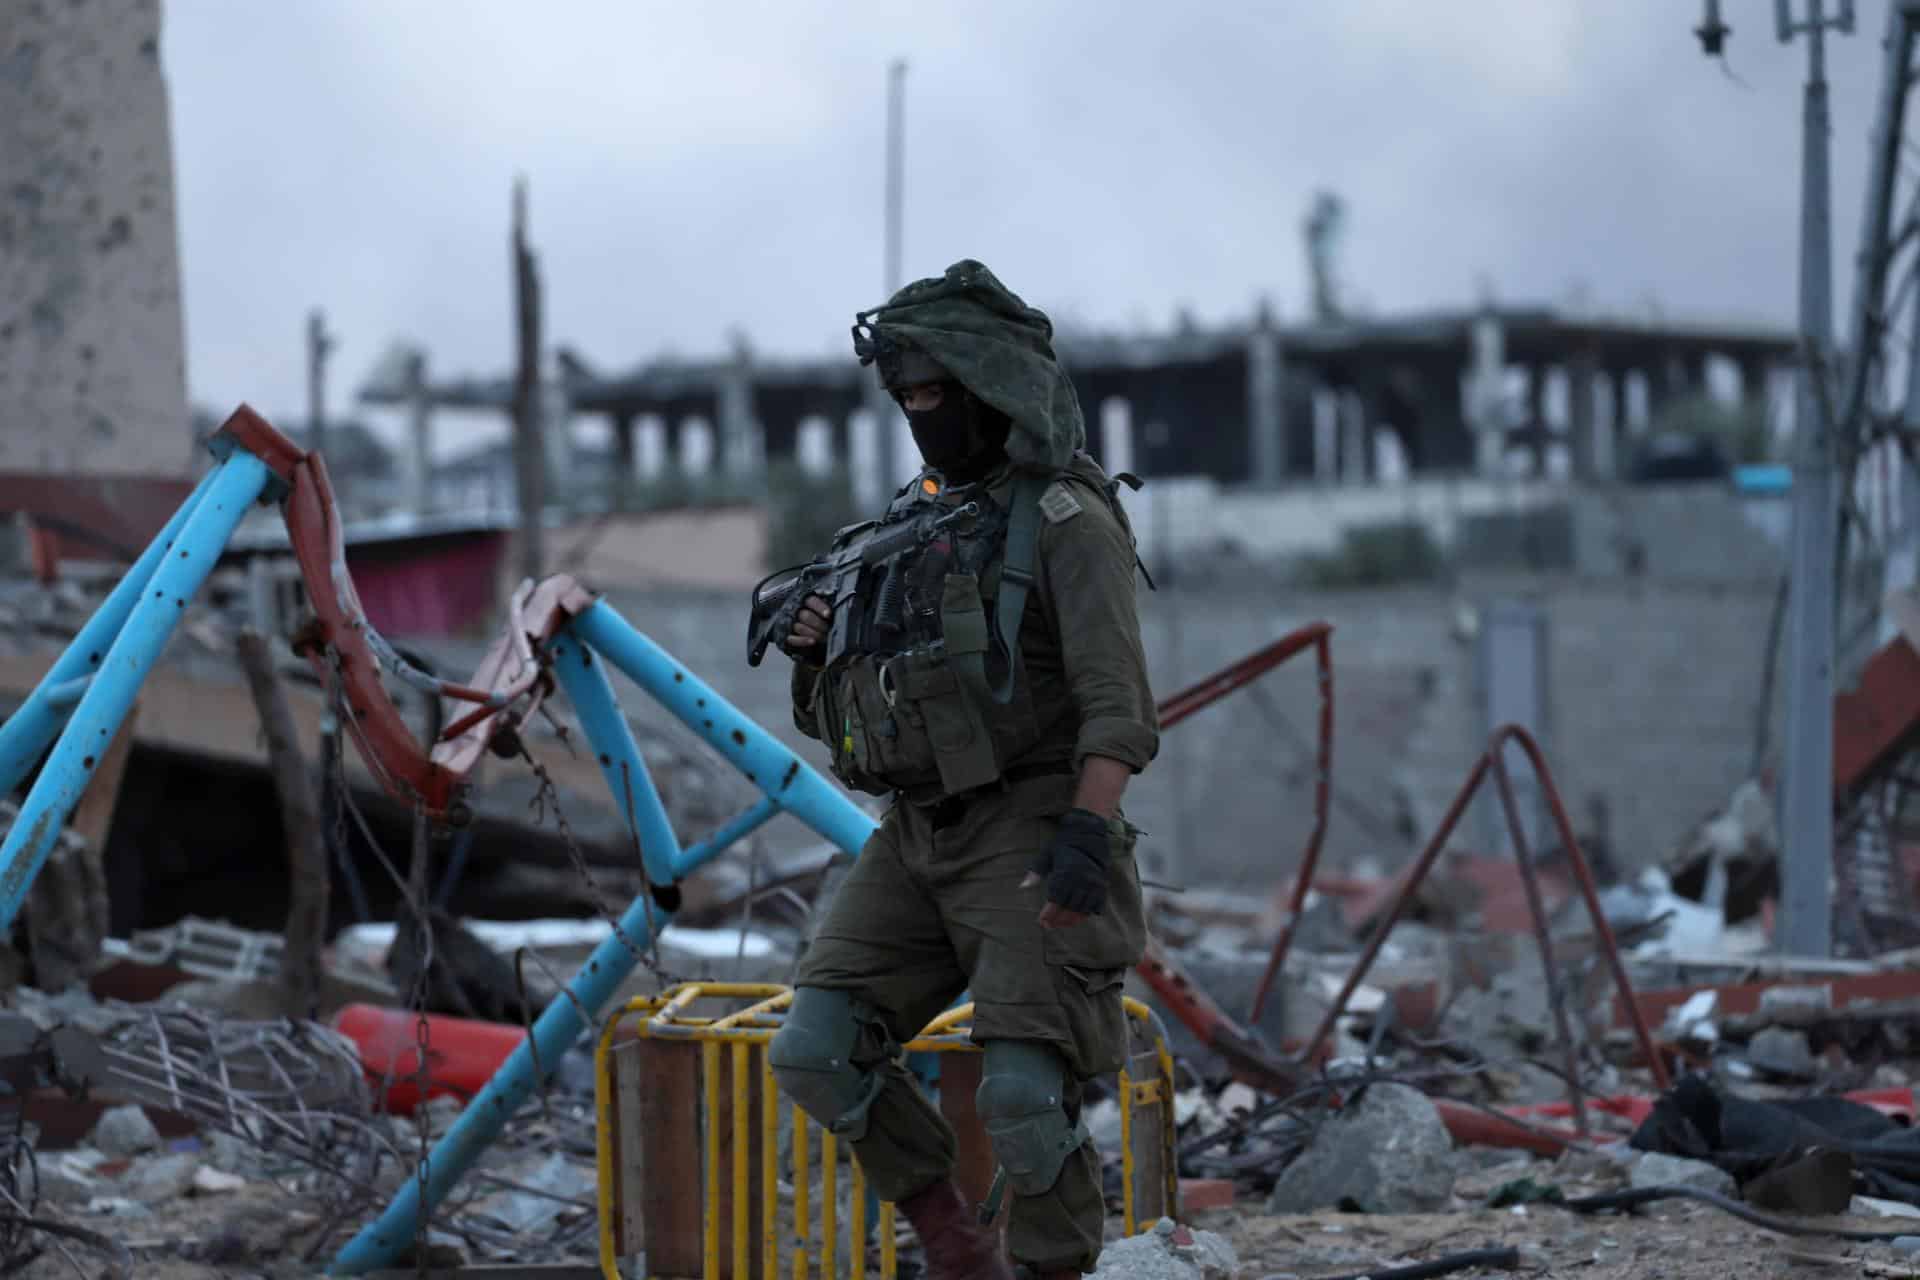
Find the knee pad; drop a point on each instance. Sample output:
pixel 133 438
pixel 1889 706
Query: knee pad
pixel 812 1058
pixel 1022 1101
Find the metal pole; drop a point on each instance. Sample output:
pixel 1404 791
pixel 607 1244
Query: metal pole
pixel 319 343
pixel 886 426
pixel 1806 915
pixel 896 164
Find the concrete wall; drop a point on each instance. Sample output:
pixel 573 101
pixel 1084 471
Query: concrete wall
pixel 1678 533
pixel 1194 516
pixel 1699 533
pixel 1653 688
pixel 92 366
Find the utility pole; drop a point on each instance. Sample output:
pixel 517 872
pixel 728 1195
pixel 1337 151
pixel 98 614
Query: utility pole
pixel 529 455
pixel 886 424
pixel 319 344
pixel 896 160
pixel 1806 914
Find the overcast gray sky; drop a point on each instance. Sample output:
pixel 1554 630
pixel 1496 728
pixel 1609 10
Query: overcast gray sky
pixel 699 167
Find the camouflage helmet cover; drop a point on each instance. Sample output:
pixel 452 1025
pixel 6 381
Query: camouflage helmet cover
pixel 978 332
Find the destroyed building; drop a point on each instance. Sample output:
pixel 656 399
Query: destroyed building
pixel 1414 1005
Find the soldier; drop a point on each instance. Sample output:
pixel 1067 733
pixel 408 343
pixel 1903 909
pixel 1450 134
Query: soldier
pixel 990 680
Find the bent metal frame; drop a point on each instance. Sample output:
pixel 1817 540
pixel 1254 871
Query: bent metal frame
pixel 557 630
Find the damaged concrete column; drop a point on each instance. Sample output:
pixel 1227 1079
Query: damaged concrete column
pixel 1266 407
pixel 1619 428
pixel 740 452
pixel 92 357
pixel 1485 389
pixel 1590 458
pixel 555 408
pixel 1537 416
pixel 1356 432
pixel 1326 434
pixel 625 475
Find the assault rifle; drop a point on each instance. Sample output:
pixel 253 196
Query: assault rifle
pixel 864 560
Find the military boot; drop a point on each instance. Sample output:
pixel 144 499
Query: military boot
pixel 956 1245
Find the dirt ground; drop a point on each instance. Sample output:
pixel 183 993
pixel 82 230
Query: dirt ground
pixel 1669 1241
pixel 260 1232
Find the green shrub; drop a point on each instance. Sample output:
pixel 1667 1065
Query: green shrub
pixel 1377 555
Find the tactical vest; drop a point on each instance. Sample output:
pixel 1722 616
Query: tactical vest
pixel 934 700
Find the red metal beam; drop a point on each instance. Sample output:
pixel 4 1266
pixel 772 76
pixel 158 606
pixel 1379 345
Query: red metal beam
pixel 1491 761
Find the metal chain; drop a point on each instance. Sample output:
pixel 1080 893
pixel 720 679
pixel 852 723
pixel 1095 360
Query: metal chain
pixel 422 1029
pixel 547 796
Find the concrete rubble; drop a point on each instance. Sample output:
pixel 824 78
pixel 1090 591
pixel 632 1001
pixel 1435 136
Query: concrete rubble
pixel 1388 1153
pixel 1452 1021
pixel 1169 1251
pixel 1652 1169
pixel 277 1138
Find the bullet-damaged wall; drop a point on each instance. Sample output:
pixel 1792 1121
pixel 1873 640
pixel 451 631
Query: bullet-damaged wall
pixel 92 360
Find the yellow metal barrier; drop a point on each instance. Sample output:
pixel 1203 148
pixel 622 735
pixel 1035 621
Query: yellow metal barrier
pixel 673 1088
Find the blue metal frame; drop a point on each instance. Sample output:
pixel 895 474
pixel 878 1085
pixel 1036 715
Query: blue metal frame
pixel 26 733
pixel 95 681
pixel 113 654
pixel 580 655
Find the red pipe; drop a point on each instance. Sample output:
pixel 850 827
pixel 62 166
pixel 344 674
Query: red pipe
pixel 462 1054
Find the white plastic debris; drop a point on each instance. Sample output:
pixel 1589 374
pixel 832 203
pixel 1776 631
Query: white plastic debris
pixel 208 1181
pixel 1693 1019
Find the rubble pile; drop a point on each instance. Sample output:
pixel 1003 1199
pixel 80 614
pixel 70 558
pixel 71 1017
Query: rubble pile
pixel 1416 1064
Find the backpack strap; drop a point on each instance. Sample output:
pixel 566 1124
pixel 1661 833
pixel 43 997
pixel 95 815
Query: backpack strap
pixel 1016 574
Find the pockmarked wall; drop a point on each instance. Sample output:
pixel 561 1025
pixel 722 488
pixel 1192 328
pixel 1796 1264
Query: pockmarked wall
pixel 92 361
pixel 1652 692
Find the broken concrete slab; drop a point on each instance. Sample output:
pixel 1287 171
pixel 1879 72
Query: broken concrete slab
pixel 1783 1052
pixel 1169 1251
pixel 67 1177
pixel 1653 1169
pixel 1795 1006
pixel 1389 1152
pixel 156 1181
pixel 124 1131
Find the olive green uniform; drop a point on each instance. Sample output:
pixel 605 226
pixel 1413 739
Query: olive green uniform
pixel 934 906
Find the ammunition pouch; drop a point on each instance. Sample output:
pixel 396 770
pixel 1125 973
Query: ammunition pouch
pixel 904 721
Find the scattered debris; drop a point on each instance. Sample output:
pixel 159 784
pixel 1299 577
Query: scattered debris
pixel 1169 1251
pixel 1782 1052
pixel 1654 1169
pixel 1388 1152
pixel 125 1131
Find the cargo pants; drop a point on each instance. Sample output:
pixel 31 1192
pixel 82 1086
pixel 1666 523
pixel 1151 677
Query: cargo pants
pixel 934 907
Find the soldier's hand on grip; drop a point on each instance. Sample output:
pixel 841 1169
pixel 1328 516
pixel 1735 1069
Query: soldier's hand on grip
pixel 1074 866
pixel 807 622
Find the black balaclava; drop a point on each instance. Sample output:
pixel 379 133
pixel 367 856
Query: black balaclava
pixel 964 438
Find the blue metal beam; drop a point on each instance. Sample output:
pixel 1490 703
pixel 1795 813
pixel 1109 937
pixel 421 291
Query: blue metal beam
pixel 26 732
pixel 789 785
pixel 584 678
pixel 764 759
pixel 233 487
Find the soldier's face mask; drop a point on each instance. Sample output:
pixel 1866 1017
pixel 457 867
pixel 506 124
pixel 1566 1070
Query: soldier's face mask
pixel 960 436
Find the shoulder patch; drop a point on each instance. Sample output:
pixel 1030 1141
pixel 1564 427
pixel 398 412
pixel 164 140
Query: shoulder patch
pixel 1058 504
